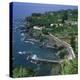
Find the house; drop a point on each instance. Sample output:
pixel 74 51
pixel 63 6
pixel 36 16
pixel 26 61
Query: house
pixel 60 24
pixel 56 25
pixel 37 27
pixel 51 24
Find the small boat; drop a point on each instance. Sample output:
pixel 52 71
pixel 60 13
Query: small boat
pixel 20 52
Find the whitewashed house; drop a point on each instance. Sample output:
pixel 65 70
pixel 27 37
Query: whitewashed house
pixel 51 24
pixel 54 24
pixel 60 24
pixel 37 27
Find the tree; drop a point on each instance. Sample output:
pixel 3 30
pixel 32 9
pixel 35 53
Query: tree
pixel 45 31
pixel 65 16
pixel 69 67
pixel 36 14
pixel 72 42
pixel 22 72
pixel 62 53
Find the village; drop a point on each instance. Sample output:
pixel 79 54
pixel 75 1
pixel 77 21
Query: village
pixel 56 30
pixel 61 24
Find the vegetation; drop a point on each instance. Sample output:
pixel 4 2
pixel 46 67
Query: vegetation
pixel 62 53
pixel 65 16
pixel 45 31
pixel 72 42
pixel 69 67
pixel 22 72
pixel 52 17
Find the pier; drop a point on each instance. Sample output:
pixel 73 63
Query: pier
pixel 34 58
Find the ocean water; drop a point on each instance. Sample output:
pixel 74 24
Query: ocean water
pixel 22 46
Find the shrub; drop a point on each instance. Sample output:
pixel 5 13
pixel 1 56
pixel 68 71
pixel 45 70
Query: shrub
pixel 69 67
pixel 22 72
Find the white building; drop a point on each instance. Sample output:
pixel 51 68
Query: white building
pixel 60 24
pixel 51 24
pixel 37 27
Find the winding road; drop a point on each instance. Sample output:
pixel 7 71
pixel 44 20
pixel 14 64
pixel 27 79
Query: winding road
pixel 70 51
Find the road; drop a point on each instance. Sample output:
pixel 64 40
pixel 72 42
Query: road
pixel 70 51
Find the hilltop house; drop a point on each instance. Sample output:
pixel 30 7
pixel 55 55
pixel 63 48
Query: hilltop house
pixel 57 25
